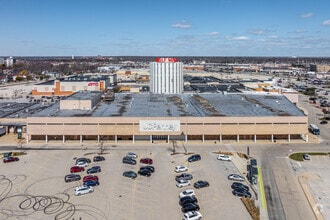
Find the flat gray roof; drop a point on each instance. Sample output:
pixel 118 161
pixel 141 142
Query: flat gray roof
pixel 196 105
pixel 83 95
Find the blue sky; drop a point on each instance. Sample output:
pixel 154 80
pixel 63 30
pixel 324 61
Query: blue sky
pixel 165 28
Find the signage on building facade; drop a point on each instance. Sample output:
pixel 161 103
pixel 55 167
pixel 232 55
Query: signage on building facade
pixel 159 125
pixel 166 60
pixel 93 84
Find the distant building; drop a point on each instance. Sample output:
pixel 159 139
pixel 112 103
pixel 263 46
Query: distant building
pixel 70 85
pixel 166 76
pixel 10 62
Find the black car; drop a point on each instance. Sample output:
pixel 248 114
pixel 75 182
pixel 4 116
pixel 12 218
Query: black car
pixel 144 172
pixel 150 168
pixel 94 169
pixel 201 184
pixel 237 185
pixel 98 158
pixel 189 207
pixel 83 159
pixel 129 160
pixel 187 199
pixel 185 176
pixel 130 174
pixel 241 193
pixel 194 157
pixel 72 177
pixel 92 183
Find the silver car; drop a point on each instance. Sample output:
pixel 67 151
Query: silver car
pixel 131 155
pixel 236 177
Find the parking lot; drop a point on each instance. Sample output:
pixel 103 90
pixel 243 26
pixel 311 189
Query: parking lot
pixel 315 175
pixel 34 187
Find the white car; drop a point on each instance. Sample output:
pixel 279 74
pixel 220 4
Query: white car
pixel 131 155
pixel 224 157
pixel 187 192
pixel 82 164
pixel 80 190
pixel 192 215
pixel 180 168
pixel 182 183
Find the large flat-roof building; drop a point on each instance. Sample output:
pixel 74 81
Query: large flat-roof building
pixel 172 117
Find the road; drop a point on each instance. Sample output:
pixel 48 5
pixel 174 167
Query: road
pixel 284 195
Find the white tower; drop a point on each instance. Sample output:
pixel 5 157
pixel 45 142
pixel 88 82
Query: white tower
pixel 166 76
pixel 9 61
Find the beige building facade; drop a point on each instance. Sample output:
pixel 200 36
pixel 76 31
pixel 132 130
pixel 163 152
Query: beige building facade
pixel 136 129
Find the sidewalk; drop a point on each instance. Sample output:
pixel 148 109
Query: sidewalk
pixel 303 180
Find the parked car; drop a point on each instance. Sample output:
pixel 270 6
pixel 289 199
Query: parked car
pixel 94 169
pixel 180 168
pixel 83 159
pixel 130 174
pixel 129 160
pixel 236 177
pixel 186 176
pixel 241 193
pixel 201 184
pixel 132 155
pixel 144 172
pixel 92 183
pixel 323 122
pixel 76 169
pixel 187 199
pixel 187 192
pixel 146 160
pixel 80 190
pixel 194 158
pixel 98 158
pixel 90 177
pixel 224 157
pixel 306 157
pixel 182 183
pixel 82 164
pixel 10 159
pixel 192 215
pixel 72 177
pixel 190 207
pixel 237 185
pixel 150 168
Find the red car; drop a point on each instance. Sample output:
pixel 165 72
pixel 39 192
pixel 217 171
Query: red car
pixel 76 169
pixel 90 177
pixel 10 159
pixel 146 160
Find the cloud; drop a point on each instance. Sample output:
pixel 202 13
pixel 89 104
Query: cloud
pixel 213 33
pixel 241 38
pixel 326 23
pixel 300 31
pixel 181 25
pixel 306 15
pixel 256 31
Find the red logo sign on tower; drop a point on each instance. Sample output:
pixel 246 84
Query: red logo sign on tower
pixel 166 60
